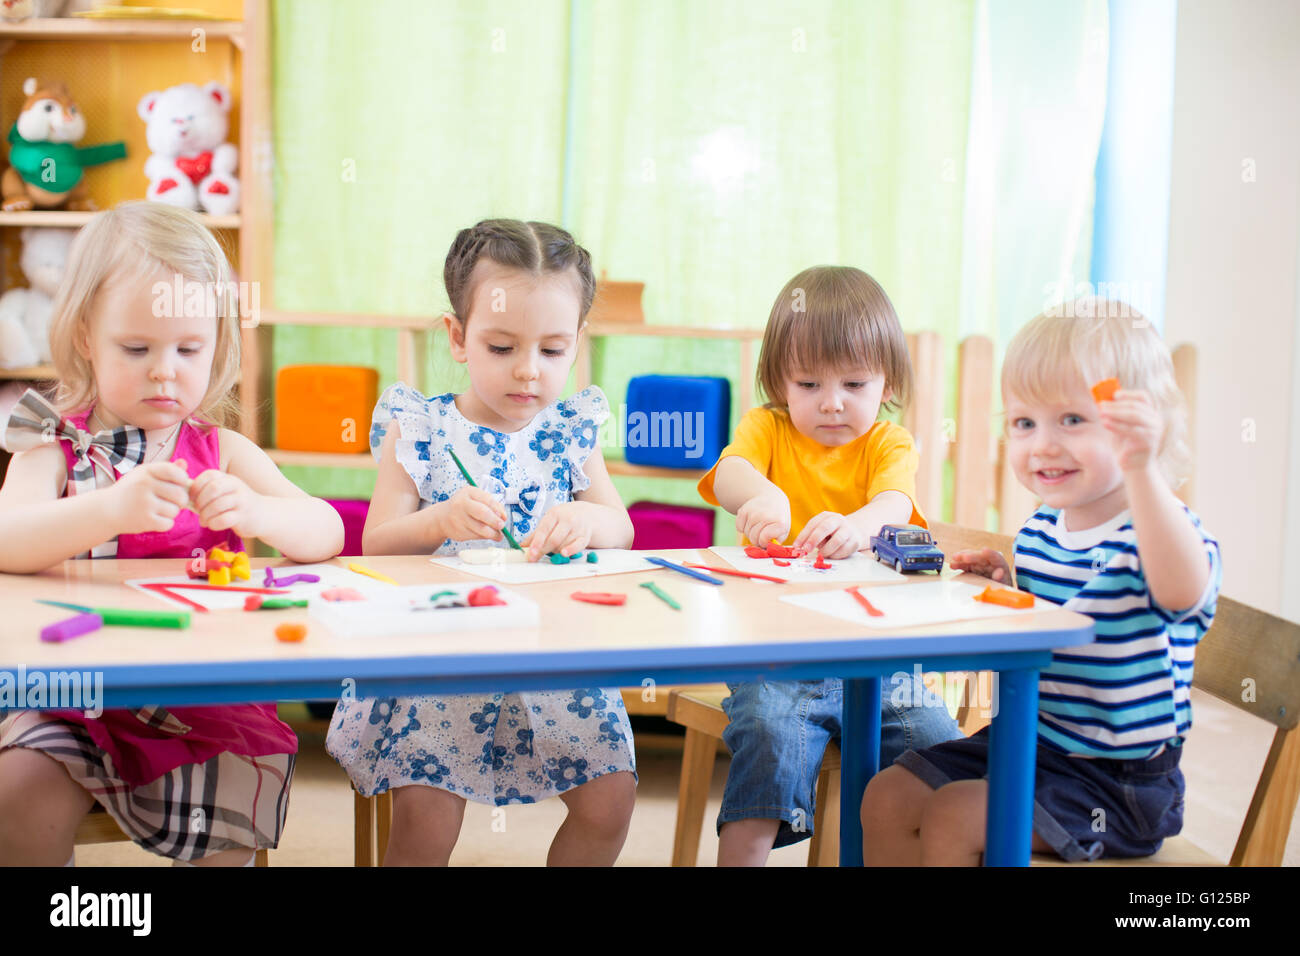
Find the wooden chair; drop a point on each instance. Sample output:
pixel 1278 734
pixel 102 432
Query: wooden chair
pixel 98 826
pixel 373 821
pixel 1250 660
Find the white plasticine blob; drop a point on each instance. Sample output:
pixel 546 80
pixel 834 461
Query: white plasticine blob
pixel 492 556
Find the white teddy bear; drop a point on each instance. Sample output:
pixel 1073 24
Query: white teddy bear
pixel 191 164
pixel 25 313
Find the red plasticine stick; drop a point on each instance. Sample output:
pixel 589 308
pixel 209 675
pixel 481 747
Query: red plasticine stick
pixel 600 597
pixel 166 591
pixel 867 605
pixel 735 573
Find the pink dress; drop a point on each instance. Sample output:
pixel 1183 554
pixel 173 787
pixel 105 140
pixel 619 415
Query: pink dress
pixel 144 751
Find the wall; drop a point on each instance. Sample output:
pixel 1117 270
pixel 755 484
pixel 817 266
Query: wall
pixel 1232 281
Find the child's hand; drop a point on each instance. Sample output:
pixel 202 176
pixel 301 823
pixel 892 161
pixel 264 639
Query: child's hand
pixel 1135 425
pixel 149 497
pixel 471 514
pixel 565 529
pixel 223 502
pixel 833 534
pixel 764 517
pixel 986 563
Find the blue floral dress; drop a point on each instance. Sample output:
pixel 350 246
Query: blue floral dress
pixel 500 748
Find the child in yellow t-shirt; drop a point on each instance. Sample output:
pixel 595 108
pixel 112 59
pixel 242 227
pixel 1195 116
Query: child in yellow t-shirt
pixel 814 462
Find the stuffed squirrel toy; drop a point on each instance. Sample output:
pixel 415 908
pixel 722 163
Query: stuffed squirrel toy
pixel 46 168
pixel 192 164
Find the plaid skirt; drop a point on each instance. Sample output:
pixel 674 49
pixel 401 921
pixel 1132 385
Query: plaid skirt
pixel 228 802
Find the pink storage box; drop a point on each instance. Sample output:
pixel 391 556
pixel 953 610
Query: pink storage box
pixel 353 512
pixel 657 526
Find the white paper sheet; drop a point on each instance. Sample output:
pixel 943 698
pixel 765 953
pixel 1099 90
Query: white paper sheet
pixel 906 605
pixel 407 610
pixel 857 569
pixel 331 575
pixel 610 561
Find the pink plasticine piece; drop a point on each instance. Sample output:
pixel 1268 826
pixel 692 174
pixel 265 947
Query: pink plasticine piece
pixel 252 602
pixel 71 627
pixel 342 594
pixel 486 596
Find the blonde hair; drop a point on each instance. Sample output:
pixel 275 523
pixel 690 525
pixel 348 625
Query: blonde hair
pixel 830 317
pixel 130 243
pixel 1084 342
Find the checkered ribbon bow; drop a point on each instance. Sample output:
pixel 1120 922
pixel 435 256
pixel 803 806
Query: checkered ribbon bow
pixel 101 458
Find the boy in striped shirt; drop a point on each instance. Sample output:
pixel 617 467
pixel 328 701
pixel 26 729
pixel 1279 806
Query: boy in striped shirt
pixel 1110 540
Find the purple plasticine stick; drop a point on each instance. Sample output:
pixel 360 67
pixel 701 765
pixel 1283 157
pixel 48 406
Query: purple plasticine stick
pixel 71 627
pixel 273 582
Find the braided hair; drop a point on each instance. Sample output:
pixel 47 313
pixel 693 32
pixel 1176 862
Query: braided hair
pixel 534 247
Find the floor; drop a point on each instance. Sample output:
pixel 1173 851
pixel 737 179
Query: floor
pixel 1222 761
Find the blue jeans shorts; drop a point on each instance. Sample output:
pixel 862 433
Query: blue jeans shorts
pixel 779 731
pixel 1084 807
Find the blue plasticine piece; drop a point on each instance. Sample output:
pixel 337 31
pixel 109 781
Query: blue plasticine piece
pixel 559 559
pixel 591 557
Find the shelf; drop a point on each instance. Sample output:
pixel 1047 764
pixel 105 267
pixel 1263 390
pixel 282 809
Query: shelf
pixel 98 28
pixel 675 331
pixel 322 459
pixel 420 323
pixel 39 372
pixel 64 219
pixel 617 466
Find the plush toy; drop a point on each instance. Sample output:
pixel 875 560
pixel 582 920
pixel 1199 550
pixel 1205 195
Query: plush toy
pixel 45 167
pixel 22 9
pixel 192 164
pixel 25 313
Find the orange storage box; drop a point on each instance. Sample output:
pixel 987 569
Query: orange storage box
pixel 325 407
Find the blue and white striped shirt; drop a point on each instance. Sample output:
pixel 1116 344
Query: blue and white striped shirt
pixel 1127 696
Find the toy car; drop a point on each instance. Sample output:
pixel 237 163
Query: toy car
pixel 907 547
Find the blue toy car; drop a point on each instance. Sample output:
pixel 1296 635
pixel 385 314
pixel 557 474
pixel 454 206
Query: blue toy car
pixel 907 547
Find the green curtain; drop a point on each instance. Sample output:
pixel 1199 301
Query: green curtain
pixel 710 150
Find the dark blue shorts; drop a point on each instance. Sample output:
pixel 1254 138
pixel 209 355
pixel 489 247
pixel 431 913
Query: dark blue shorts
pixel 1084 807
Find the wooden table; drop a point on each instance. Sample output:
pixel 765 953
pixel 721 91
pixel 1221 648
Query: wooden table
pixel 738 631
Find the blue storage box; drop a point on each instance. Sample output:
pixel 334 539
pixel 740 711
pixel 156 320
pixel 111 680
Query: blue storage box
pixel 677 421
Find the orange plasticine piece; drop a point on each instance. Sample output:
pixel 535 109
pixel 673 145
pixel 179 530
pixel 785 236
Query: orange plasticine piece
pixel 1104 391
pixel 1007 597
pixel 291 633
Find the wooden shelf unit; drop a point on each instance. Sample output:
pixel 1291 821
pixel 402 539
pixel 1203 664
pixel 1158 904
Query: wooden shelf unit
pixel 100 28
pixel 37 373
pixel 250 38
pixel 66 219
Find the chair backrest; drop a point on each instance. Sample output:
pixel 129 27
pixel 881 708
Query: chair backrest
pixel 1251 660
pixel 983 481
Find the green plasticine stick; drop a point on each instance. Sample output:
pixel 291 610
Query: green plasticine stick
pixel 659 593
pixel 274 604
pixel 506 531
pixel 129 617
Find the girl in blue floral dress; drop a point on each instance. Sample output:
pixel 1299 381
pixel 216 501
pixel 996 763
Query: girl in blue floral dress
pixel 519 293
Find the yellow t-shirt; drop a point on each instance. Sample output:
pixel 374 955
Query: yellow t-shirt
pixel 816 478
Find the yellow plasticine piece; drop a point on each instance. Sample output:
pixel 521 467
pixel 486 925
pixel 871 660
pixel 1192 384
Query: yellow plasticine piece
pixel 217 554
pixel 239 567
pixel 219 576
